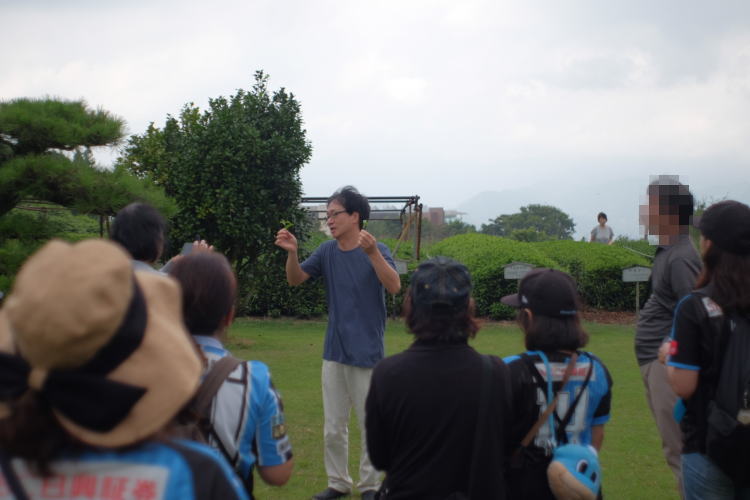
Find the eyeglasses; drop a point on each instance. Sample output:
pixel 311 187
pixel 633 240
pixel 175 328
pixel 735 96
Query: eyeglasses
pixel 332 215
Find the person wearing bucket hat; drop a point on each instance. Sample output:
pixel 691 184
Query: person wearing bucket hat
pixel 666 217
pixel 548 313
pixel 94 364
pixel 246 415
pixel 707 359
pixel 424 419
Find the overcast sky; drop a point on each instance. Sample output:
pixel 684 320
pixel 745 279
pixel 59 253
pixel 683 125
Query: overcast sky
pixel 573 103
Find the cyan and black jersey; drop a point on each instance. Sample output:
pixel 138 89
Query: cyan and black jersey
pixel 530 399
pixel 247 415
pixel 171 470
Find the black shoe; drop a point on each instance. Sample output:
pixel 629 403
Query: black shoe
pixel 329 494
pixel 369 495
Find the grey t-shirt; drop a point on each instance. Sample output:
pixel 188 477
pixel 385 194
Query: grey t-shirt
pixel 602 234
pixel 673 276
pixel 356 303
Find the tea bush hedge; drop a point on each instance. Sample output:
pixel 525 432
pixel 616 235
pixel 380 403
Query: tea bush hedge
pixel 596 268
pixel 486 256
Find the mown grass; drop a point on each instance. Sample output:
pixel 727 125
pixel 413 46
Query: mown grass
pixel 633 464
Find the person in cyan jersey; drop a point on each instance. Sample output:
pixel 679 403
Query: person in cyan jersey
pixel 247 414
pixel 94 365
pixel 548 315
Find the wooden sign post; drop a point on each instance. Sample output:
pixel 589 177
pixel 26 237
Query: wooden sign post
pixel 636 274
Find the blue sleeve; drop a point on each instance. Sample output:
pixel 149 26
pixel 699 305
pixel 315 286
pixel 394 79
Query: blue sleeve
pixel 386 254
pixel 271 438
pixel 313 265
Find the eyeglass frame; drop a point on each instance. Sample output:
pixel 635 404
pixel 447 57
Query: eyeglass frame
pixel 335 214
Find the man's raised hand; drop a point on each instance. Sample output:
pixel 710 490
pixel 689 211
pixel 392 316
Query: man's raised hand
pixel 286 240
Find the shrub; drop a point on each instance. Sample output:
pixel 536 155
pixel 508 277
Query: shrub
pixel 486 256
pixel 265 292
pixel 598 271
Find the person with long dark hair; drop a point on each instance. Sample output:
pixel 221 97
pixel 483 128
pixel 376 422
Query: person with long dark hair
pixel 548 306
pixel 708 355
pixel 425 424
pixel 95 363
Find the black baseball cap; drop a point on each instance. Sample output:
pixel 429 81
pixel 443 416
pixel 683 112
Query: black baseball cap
pixel 546 292
pixel 727 225
pixel 441 283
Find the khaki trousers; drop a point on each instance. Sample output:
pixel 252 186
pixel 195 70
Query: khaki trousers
pixel 345 387
pixel 662 399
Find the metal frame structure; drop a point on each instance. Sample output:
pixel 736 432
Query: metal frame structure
pixel 411 207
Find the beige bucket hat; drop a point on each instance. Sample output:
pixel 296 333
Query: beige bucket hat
pixel 106 347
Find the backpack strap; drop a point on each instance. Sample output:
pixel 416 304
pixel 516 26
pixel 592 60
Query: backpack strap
pixel 200 405
pixel 561 435
pixel 485 390
pixel 211 384
pixel 11 478
pixel 550 405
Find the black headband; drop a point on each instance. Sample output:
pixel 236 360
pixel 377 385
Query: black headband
pixel 83 394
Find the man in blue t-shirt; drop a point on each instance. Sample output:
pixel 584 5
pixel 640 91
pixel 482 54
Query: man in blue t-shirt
pixel 355 268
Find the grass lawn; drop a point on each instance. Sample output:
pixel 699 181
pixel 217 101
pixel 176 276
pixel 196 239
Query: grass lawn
pixel 631 458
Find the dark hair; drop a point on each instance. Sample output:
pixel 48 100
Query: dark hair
pixel 443 324
pixel 544 333
pixel 729 276
pixel 674 198
pixel 209 290
pixel 33 433
pixel 601 215
pixel 352 201
pixel 139 228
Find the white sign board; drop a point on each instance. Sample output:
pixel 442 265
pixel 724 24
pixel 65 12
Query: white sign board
pixel 401 266
pixel 636 274
pixel 516 270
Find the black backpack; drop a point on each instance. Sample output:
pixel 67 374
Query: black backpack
pixel 728 413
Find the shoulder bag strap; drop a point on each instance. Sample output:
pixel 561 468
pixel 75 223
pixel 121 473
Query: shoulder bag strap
pixel 550 406
pixel 485 393
pixel 211 384
pixel 11 478
pixel 563 423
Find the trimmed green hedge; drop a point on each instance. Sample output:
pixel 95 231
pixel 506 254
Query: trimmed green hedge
pixel 598 271
pixel 596 268
pixel 485 256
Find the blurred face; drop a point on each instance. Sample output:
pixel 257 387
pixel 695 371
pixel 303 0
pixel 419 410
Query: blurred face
pixel 339 221
pixel 602 221
pixel 660 226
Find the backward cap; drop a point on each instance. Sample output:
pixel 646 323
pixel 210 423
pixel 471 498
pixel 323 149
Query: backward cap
pixel 441 282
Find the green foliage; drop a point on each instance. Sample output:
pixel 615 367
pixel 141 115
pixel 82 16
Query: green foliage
pixel 38 125
pixel 486 256
pixel 24 231
pixel 549 222
pixel 265 292
pixel 233 170
pixel 598 271
pixel 34 133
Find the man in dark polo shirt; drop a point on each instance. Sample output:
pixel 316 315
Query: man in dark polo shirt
pixel 667 217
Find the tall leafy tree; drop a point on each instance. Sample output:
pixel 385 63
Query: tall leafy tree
pixel 532 223
pixel 45 154
pixel 233 170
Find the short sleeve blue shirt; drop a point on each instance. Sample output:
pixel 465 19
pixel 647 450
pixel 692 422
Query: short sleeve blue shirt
pixel 356 303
